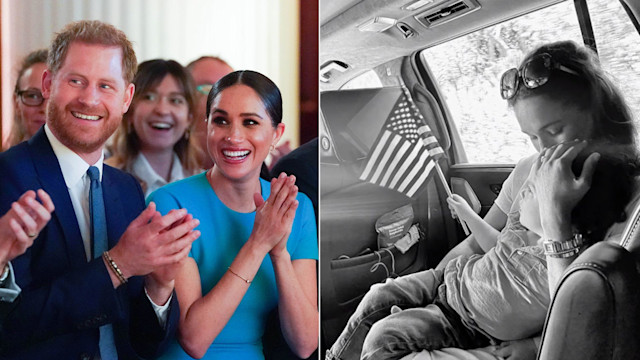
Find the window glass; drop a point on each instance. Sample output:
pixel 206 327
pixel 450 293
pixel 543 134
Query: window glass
pixel 468 70
pixel 618 46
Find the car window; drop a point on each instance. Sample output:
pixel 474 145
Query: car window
pixel 618 45
pixel 468 69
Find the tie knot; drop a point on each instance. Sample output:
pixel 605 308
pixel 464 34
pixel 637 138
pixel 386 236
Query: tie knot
pixel 94 173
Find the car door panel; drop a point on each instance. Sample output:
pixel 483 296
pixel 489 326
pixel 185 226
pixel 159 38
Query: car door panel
pixel 349 245
pixel 485 180
pixel 351 261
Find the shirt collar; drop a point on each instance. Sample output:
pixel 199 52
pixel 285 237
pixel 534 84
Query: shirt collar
pixel 144 171
pixel 72 165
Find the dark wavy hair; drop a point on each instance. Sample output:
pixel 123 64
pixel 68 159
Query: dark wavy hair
pixel 612 187
pixel 262 85
pixel 590 89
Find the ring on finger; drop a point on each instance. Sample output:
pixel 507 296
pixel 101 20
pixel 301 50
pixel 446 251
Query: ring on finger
pixel 32 235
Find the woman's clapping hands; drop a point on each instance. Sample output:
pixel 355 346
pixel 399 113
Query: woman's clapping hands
pixel 274 216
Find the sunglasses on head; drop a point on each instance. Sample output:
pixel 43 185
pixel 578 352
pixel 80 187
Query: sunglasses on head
pixel 534 73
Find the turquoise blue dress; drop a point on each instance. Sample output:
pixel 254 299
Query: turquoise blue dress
pixel 223 233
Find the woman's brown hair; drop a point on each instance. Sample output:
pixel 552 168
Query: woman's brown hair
pixel 126 143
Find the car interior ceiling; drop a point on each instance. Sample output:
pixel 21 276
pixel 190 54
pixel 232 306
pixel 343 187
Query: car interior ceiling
pixel 363 50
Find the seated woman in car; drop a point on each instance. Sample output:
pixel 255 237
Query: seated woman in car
pixel 559 94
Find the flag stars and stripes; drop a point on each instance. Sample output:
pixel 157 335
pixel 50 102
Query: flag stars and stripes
pixel 405 152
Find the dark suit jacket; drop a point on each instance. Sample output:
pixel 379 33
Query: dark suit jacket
pixel 7 306
pixel 303 163
pixel 64 298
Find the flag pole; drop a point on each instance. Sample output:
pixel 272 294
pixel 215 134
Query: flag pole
pixel 449 193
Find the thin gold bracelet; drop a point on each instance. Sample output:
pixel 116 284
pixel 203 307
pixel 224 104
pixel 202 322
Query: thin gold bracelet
pixel 236 274
pixel 114 267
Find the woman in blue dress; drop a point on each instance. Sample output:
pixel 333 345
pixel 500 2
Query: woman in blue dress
pixel 258 248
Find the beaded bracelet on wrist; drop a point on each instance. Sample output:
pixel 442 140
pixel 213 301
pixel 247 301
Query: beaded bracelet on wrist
pixel 114 267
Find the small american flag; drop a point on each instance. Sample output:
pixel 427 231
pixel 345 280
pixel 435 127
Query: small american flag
pixel 405 152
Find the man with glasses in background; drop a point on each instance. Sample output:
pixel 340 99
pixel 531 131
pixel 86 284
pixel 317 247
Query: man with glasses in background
pixel 206 71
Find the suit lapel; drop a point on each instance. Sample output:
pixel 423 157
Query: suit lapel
pixel 50 176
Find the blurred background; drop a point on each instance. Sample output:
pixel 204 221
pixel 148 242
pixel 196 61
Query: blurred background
pixel 277 38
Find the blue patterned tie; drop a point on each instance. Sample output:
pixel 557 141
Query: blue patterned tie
pixel 99 241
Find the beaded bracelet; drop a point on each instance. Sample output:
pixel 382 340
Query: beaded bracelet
pixel 236 274
pixel 114 267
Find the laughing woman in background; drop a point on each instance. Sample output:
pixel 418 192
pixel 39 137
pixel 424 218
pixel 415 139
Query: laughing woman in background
pixel 153 141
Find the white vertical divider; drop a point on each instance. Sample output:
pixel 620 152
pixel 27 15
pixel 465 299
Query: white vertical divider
pixel 7 65
pixel 249 34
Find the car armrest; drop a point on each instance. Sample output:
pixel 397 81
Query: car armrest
pixel 594 313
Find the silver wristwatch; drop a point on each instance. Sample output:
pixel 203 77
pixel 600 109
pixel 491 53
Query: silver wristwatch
pixel 563 249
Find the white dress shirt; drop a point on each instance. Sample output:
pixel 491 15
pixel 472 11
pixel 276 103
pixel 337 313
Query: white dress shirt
pixel 74 170
pixel 143 170
pixel 9 290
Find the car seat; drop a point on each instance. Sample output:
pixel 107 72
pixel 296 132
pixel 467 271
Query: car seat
pixel 595 312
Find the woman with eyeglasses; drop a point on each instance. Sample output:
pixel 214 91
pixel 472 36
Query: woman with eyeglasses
pixel 153 141
pixel 494 288
pixel 29 105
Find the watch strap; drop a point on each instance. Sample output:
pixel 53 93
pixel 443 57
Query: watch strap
pixel 563 249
